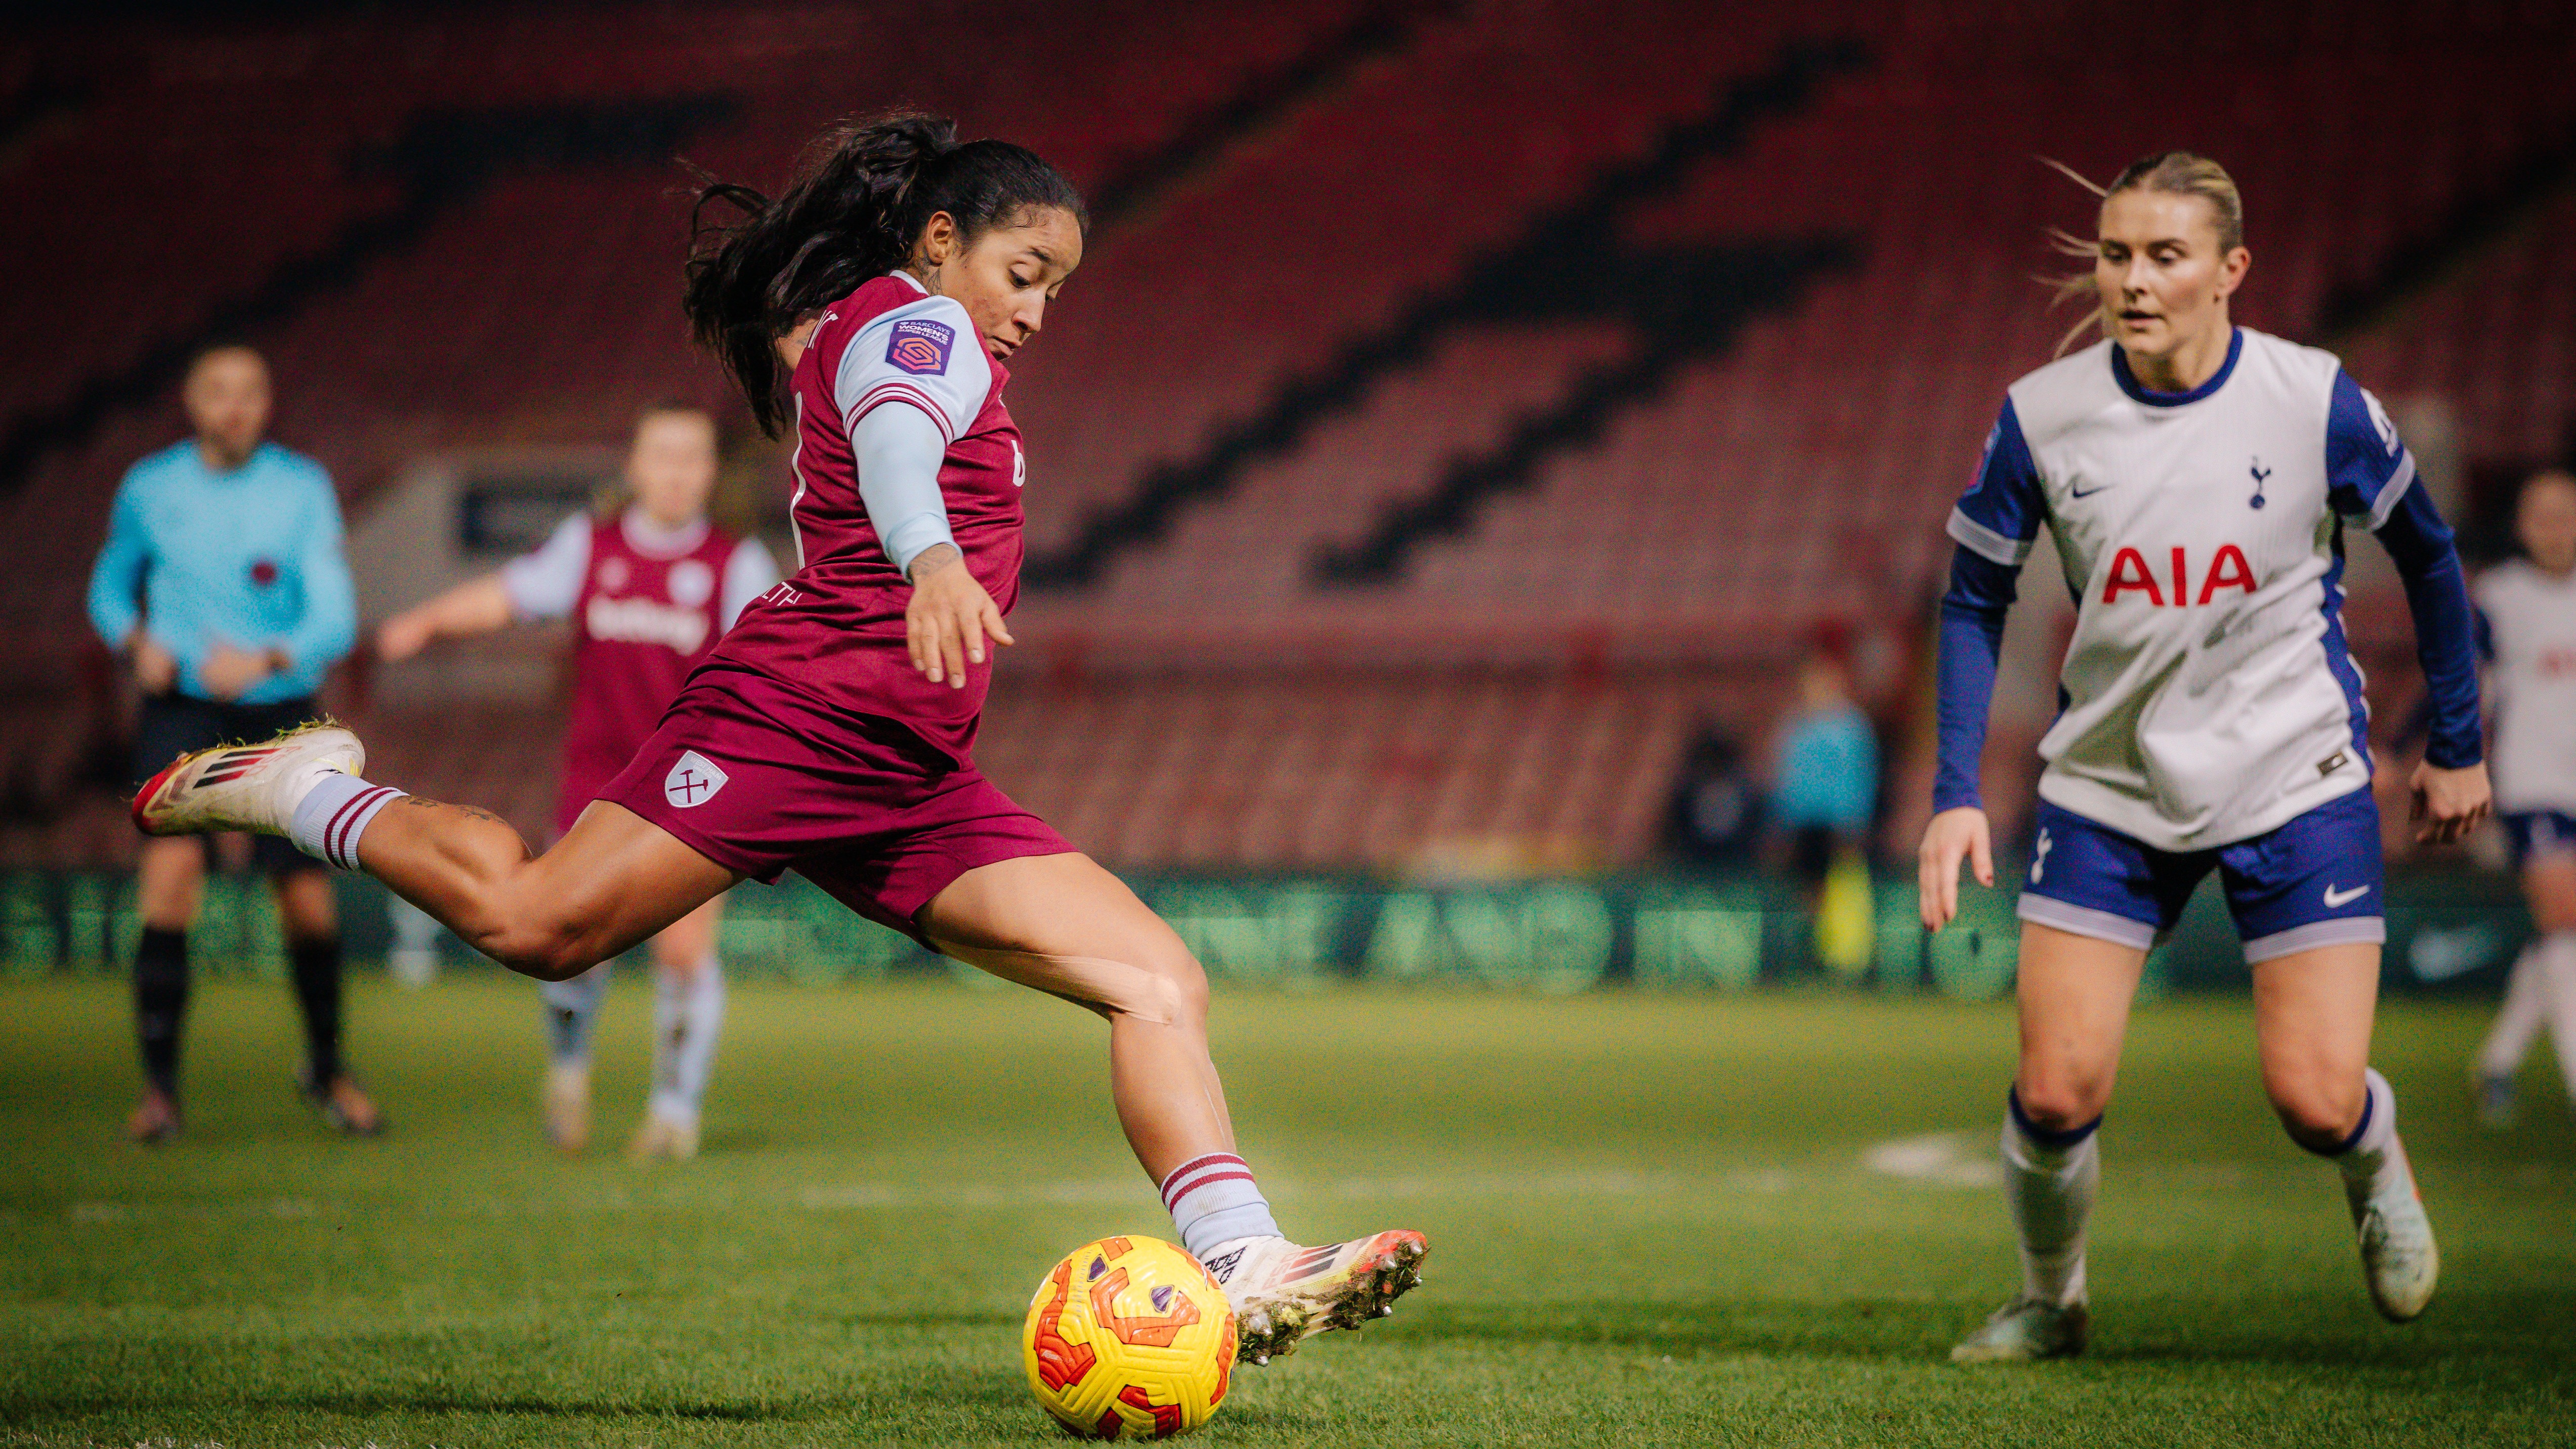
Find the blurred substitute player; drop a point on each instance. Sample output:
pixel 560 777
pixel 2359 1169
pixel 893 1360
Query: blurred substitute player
pixel 2198 478
pixel 831 731
pixel 2529 607
pixel 223 584
pixel 649 590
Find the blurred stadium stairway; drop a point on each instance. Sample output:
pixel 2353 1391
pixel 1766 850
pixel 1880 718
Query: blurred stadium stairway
pixel 1460 403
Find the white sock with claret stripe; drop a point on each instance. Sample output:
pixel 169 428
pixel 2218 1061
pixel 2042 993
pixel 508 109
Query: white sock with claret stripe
pixel 1214 1200
pixel 331 815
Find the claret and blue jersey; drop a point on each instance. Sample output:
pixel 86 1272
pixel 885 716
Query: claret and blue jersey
pixel 2208 694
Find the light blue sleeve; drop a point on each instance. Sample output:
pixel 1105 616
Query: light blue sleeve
pixel 329 628
pixel 116 583
pixel 899 450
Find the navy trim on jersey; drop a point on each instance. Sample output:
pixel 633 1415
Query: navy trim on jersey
pixel 2140 392
pixel 2339 660
pixel 2000 514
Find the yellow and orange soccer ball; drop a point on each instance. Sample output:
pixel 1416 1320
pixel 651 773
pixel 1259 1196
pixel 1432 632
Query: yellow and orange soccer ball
pixel 1129 1336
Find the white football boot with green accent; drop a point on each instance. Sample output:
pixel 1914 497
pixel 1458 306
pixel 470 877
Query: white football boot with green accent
pixel 2398 1254
pixel 2025 1331
pixel 1284 1292
pixel 245 787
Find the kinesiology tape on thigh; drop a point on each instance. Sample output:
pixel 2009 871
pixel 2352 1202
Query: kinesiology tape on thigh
pixel 1117 986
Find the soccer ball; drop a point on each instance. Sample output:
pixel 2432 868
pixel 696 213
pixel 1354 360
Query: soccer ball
pixel 1129 1336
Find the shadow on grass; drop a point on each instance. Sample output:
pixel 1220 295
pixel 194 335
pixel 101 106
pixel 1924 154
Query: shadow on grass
pixel 2509 1337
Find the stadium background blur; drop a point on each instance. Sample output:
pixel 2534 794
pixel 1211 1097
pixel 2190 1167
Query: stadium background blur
pixel 1464 407
pixel 1469 416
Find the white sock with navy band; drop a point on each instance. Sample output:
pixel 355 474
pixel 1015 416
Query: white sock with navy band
pixel 330 817
pixel 2372 1157
pixel 2050 1179
pixel 1213 1200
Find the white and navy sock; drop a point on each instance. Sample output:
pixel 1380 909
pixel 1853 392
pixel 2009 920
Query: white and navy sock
pixel 1214 1200
pixel 2050 1179
pixel 688 1016
pixel 2371 1158
pixel 572 1012
pixel 331 815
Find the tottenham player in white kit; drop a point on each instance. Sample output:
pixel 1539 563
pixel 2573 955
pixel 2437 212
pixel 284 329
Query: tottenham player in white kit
pixel 2198 478
pixel 2529 609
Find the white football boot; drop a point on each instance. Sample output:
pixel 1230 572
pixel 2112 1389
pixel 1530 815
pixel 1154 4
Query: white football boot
pixel 2025 1331
pixel 1284 1292
pixel 2398 1254
pixel 245 787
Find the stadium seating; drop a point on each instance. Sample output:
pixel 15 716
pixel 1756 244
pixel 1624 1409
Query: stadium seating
pixel 1301 318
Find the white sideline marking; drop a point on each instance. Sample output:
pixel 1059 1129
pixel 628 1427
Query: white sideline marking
pixel 1942 1159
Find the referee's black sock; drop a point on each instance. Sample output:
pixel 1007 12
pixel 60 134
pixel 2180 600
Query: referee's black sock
pixel 160 1005
pixel 317 990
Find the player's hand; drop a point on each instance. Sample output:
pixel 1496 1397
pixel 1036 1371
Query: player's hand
pixel 949 618
pixel 228 671
pixel 1953 834
pixel 2448 803
pixel 155 668
pixel 403 635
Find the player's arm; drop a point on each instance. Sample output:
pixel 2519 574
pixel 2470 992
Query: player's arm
pixel 544 584
pixel 899 450
pixel 2371 478
pixel 116 592
pixel 908 385
pixel 1993 526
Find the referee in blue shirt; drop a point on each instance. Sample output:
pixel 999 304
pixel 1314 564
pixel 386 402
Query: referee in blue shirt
pixel 224 584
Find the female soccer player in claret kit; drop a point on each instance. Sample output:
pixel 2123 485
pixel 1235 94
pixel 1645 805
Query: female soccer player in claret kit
pixel 649 588
pixel 872 308
pixel 2197 477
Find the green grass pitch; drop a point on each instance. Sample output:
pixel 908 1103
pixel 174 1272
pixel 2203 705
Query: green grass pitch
pixel 1654 1221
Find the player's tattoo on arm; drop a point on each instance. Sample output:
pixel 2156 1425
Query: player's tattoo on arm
pixel 428 804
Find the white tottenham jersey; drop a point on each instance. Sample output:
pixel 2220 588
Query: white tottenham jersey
pixel 2531 617
pixel 2208 695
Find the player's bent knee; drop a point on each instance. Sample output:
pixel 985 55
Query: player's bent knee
pixel 2317 1109
pixel 2062 1105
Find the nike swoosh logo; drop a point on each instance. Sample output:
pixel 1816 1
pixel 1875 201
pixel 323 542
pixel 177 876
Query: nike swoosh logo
pixel 2336 898
pixel 2089 492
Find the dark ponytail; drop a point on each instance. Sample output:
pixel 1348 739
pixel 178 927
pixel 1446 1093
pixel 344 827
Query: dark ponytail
pixel 853 212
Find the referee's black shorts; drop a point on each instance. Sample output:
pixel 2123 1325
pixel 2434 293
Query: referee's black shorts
pixel 172 725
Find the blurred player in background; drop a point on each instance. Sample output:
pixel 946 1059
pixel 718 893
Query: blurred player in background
pixel 223 584
pixel 2529 608
pixel 649 589
pixel 872 309
pixel 2197 477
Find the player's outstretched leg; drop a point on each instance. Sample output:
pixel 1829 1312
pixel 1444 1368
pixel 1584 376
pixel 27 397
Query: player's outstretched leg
pixel 1065 926
pixel 2312 1022
pixel 613 880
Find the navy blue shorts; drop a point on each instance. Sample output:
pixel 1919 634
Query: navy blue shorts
pixel 2317 880
pixel 2538 832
